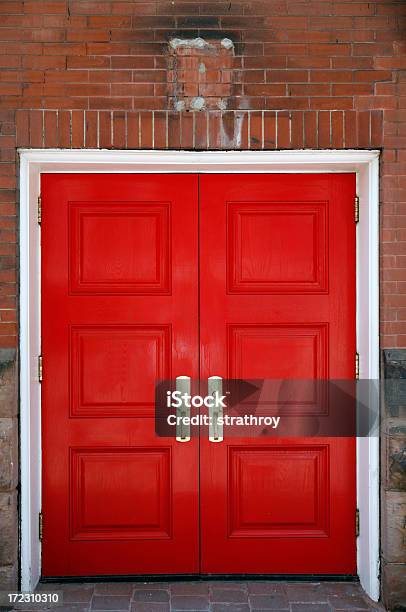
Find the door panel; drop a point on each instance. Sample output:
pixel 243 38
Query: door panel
pixel 117 499
pixel 278 301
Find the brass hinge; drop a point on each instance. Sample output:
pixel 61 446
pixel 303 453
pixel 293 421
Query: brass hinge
pixel 40 368
pixel 40 526
pixel 357 523
pixel 39 211
pixel 356 209
pixel 356 366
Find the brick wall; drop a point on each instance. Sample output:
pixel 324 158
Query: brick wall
pixel 302 73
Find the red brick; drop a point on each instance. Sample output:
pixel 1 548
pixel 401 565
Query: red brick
pixel 274 62
pixel 134 8
pixel 36 129
pixel 31 6
pixel 331 103
pixel 87 34
pixel 286 76
pixel 159 130
pixel 90 8
pixel 308 61
pixel 350 129
pixel 201 123
pixel 50 129
pixel 22 128
pixel 310 130
pixel 64 129
pixel 352 62
pixel 305 89
pixel 78 129
pixel 87 62
pixel 337 129
pixel 187 126
pixel 132 89
pixel 364 129
pixel 255 127
pixel 132 62
pixel 119 130
pixel 372 75
pixel 173 131
pixel 352 89
pixel 91 129
pixel 264 89
pixel 11 7
pixel 146 127
pixel 110 103
pixel 330 76
pixel 375 102
pixel 390 63
pixel 105 129
pixel 133 130
pixel 324 129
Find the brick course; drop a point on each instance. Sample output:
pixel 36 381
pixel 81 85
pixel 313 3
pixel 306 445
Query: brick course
pixel 303 74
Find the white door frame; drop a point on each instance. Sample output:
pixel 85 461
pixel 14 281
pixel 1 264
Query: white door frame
pixel 33 162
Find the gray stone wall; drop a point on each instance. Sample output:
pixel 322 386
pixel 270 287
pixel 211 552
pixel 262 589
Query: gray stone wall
pixel 393 480
pixel 8 470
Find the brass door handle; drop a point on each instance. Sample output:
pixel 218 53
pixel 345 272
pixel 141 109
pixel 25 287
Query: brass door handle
pixel 215 388
pixel 182 411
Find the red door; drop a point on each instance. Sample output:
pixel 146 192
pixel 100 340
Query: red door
pixel 119 255
pixel 120 310
pixel 277 301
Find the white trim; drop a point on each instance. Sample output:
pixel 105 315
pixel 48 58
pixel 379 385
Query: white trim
pixel 34 162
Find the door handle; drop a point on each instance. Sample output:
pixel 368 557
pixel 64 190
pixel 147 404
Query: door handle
pixel 182 411
pixel 215 383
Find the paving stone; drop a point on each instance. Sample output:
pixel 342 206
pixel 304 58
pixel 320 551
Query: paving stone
pixel 110 602
pixel 231 607
pixel 227 584
pixel 341 588
pixel 348 602
pixel 265 588
pixel 304 593
pixel 73 607
pixel 189 588
pixel 266 609
pixel 152 585
pixel 228 595
pixel 144 606
pixel 189 602
pixel 269 602
pixel 310 607
pixel 113 588
pixel 148 595
pixel 79 595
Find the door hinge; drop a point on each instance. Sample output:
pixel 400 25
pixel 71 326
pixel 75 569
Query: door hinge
pixel 357 523
pixel 40 526
pixel 39 210
pixel 40 368
pixel 356 366
pixel 356 208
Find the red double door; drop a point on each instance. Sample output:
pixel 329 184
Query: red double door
pixel 148 277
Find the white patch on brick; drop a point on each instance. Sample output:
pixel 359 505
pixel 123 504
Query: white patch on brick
pixel 197 103
pixel 180 105
pixel 195 43
pixel 227 43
